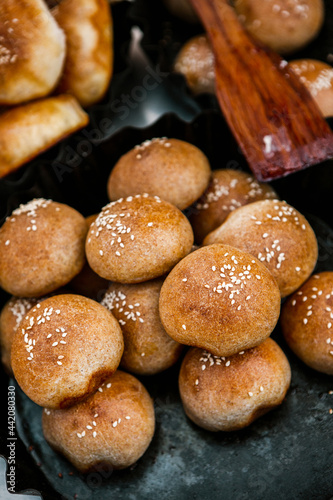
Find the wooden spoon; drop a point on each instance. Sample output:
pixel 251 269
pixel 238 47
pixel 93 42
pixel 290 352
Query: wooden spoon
pixel 270 112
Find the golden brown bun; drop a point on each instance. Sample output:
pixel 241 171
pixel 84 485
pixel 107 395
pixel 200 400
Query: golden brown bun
pixel 89 37
pixel 42 248
pixel 174 170
pixel 11 317
pixel 229 189
pixel 196 62
pixel 113 427
pixel 65 348
pixel 220 299
pixel 87 282
pixel 148 348
pixel 307 322
pixel 226 394
pixel 182 9
pixel 137 239
pixel 278 235
pixel 318 78
pixel 27 131
pixel 283 25
pixel 32 51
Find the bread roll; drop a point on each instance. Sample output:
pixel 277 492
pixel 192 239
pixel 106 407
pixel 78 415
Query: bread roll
pixel 89 37
pixel 174 170
pixel 196 62
pixel 307 322
pixel 42 248
pixel 318 78
pixel 283 25
pixel 27 131
pixel 227 394
pixel 148 348
pixel 66 346
pixel 229 189
pixel 113 427
pixel 220 299
pixel 11 317
pixel 87 282
pixel 32 51
pixel 278 235
pixel 137 239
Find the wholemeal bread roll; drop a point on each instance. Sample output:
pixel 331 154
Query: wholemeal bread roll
pixel 66 346
pixel 87 282
pixel 229 189
pixel 220 299
pixel 283 25
pixel 318 78
pixel 89 37
pixel 196 62
pixel 174 170
pixel 11 317
pixel 137 239
pixel 307 322
pixel 42 248
pixel 227 394
pixel 113 427
pixel 278 235
pixel 28 130
pixel 32 51
pixel 148 349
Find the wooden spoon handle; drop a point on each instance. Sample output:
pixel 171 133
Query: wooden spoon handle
pixel 272 115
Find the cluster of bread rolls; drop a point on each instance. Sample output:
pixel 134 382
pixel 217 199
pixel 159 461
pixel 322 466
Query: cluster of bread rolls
pixel 63 58
pixel 285 26
pixel 158 293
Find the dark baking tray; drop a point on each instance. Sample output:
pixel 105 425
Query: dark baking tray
pixel 285 454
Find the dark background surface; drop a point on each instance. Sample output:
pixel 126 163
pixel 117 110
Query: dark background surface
pixel 287 453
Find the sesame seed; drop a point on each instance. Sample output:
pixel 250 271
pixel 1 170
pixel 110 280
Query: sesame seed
pixel 297 269
pixel 115 424
pixel 261 388
pixel 184 279
pixel 305 321
pixel 89 427
pixel 197 382
pixel 94 434
pixel 203 367
pixel 101 252
pixel 59 362
pixel 184 327
pixel 250 394
pixel 149 224
pixel 7 243
pixel 108 385
pixel 227 363
pixel 54 344
pixel 128 417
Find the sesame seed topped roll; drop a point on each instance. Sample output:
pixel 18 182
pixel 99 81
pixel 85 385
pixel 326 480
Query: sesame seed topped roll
pixel 42 248
pixel 220 299
pixel 65 347
pixel 137 239
pixel 307 322
pixel 278 235
pixel 148 348
pixel 229 189
pixel 174 170
pixel 226 394
pixel 114 426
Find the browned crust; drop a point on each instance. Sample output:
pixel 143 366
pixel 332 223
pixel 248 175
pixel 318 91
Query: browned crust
pixel 307 322
pixel 89 60
pixel 28 130
pixel 110 438
pixel 230 393
pixel 77 348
